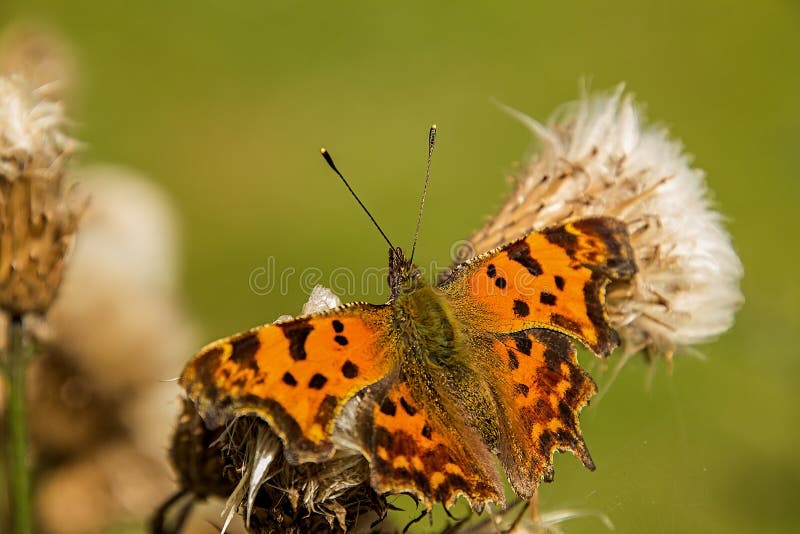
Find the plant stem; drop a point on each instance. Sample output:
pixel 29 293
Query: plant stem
pixel 534 513
pixel 19 481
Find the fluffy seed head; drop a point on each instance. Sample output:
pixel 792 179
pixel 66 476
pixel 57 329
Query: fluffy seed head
pixel 598 158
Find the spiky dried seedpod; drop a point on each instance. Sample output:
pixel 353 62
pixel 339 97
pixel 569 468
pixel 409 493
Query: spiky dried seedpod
pixel 275 496
pixel 244 462
pixel 38 218
pixel 598 158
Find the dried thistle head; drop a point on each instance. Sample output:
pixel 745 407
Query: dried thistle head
pixel 38 218
pixel 598 158
pixel 244 462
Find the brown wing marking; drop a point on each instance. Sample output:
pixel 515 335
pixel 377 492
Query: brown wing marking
pixel 543 393
pixel 411 451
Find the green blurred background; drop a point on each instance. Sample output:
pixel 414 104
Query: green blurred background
pixel 226 103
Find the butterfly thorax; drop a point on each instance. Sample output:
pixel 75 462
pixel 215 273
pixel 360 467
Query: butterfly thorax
pixel 433 362
pixel 420 313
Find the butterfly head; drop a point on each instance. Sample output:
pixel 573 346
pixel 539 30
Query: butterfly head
pixel 404 276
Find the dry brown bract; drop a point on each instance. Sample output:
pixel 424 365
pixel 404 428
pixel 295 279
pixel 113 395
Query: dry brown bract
pixel 38 218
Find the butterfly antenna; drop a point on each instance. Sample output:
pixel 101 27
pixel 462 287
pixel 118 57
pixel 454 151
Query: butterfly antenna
pixel 431 144
pixel 329 160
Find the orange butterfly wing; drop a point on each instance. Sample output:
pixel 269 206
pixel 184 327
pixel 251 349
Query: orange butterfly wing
pixel 552 279
pixel 545 389
pixel 297 375
pixel 413 451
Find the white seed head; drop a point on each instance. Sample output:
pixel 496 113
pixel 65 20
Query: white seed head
pixel 598 158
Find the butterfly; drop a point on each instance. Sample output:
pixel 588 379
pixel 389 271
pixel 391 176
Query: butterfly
pixel 448 375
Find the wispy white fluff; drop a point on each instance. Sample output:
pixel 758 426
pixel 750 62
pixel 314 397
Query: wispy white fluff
pixel 321 299
pixel 31 127
pixel 599 158
pixel 267 448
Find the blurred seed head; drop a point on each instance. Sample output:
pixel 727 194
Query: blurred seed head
pixel 111 341
pixel 114 484
pixel 118 312
pixel 38 53
pixel 598 158
pixel 38 216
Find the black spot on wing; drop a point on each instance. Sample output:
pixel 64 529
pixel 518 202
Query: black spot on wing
pixel 388 407
pixel 559 282
pixel 561 237
pixel 289 379
pixel 513 362
pixel 349 369
pixel 547 298
pixel 544 410
pixel 522 389
pixel 338 327
pixel 383 437
pixel 500 282
pixel 410 410
pixel 341 340
pixel 523 342
pixel 491 271
pixel 521 308
pixel 244 350
pixel 566 413
pixel 520 252
pixel 297 333
pixel 317 381
pixel 240 381
pixel 426 431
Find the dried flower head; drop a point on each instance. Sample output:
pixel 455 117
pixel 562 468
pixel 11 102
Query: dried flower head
pixel 37 217
pixel 244 462
pixel 123 275
pixel 597 158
